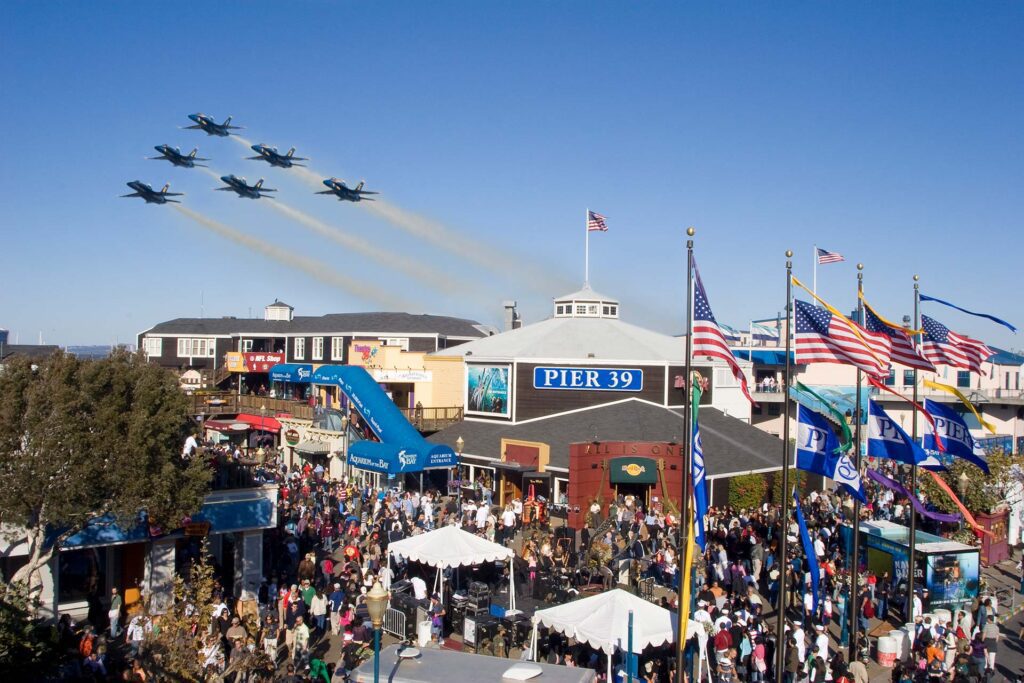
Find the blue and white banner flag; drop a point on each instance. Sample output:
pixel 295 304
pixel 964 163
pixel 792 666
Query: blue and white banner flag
pixel 812 557
pixel 700 488
pixel 886 439
pixel 956 437
pixel 816 446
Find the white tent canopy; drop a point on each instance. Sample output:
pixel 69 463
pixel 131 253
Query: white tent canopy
pixel 602 621
pixel 450 547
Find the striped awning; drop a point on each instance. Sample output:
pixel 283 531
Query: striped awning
pixel 313 447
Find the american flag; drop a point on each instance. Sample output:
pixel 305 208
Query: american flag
pixel 826 256
pixel 945 347
pixel 903 350
pixel 822 337
pixel 595 221
pixel 708 338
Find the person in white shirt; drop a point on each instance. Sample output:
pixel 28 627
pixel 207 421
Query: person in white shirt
pixel 419 588
pixel 821 641
pixel 189 449
pixel 482 513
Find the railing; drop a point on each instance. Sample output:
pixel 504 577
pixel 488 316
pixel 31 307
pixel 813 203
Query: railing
pixel 974 395
pixel 432 419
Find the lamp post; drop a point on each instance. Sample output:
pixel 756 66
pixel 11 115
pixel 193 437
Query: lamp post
pixel 962 482
pixel 344 442
pixel 459 445
pixel 377 605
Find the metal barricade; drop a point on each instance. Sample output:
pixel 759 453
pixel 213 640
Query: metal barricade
pixel 394 623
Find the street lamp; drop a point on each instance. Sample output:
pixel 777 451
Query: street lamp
pixel 962 483
pixel 344 442
pixel 377 605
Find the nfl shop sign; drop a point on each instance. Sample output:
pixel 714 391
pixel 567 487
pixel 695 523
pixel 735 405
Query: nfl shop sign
pixel 596 379
pixel 262 362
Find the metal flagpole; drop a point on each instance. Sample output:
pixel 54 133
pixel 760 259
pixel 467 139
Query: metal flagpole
pixel 685 529
pixel 586 248
pixel 814 264
pixel 851 600
pixel 913 467
pixel 780 627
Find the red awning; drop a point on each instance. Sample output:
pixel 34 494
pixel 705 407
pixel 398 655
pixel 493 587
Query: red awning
pixel 257 422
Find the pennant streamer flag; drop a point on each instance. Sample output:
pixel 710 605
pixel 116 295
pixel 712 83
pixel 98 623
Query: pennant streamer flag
pixel 886 439
pixel 817 451
pixel 837 416
pixel 955 435
pixel 825 256
pixel 707 337
pixel 904 351
pixel 805 539
pixel 945 347
pixel 978 529
pixel 888 483
pixel 964 310
pixel 700 491
pixel 825 337
pixel 684 605
pixel 595 222
pixel 963 399
pixel 731 334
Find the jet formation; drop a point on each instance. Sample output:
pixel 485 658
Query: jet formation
pixel 243 189
pixel 239 186
pixel 174 155
pixel 151 196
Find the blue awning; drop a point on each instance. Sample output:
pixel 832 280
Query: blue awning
pixel 761 356
pixel 237 515
pixel 291 372
pixel 391 459
pixel 104 531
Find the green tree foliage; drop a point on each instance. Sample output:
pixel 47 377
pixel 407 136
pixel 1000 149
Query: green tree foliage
pixel 797 478
pixel 173 651
pixel 748 490
pixel 28 648
pixel 80 439
pixel 980 493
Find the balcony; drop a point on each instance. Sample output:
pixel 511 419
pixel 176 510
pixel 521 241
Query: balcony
pixel 1013 396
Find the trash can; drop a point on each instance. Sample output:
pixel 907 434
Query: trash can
pixel 423 633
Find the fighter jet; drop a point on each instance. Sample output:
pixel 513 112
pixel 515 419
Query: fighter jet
pixel 150 195
pixel 242 188
pixel 345 193
pixel 211 127
pixel 272 157
pixel 174 155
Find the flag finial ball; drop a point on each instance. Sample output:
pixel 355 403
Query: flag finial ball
pixel 690 232
pixel 789 253
pixel 860 266
pixel 916 278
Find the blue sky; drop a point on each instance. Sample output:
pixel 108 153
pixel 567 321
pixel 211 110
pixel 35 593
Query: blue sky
pixel 889 132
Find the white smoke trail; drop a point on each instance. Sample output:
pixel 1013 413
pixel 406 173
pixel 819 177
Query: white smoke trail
pixel 314 269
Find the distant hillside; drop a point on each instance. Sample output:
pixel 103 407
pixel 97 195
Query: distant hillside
pixel 95 351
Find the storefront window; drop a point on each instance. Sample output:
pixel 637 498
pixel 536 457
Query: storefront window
pixel 81 575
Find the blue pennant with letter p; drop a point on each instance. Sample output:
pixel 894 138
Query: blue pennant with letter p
pixel 956 437
pixel 816 446
pixel 886 439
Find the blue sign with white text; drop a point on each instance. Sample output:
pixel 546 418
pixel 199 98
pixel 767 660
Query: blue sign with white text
pixel 596 379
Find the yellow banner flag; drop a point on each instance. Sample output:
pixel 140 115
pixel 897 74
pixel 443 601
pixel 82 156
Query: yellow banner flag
pixel 963 399
pixel 684 606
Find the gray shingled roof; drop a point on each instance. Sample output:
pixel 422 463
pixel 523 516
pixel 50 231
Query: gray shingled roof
pixel 35 351
pixel 730 445
pixel 334 323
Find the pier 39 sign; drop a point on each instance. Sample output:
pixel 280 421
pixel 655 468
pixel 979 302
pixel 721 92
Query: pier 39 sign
pixel 593 379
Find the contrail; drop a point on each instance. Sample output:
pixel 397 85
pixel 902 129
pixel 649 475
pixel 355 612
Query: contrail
pixel 315 269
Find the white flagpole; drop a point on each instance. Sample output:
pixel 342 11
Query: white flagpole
pixel 586 248
pixel 814 282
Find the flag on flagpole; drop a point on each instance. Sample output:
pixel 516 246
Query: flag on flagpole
pixel 707 338
pixel 596 222
pixel 963 399
pixel 942 346
pixel 917 406
pixel 964 310
pixel 805 540
pixel 825 256
pixel 818 451
pixel 830 408
pixel 955 435
pixel 886 439
pixel 826 337
pixel 761 332
pixel 904 351
pixel 700 491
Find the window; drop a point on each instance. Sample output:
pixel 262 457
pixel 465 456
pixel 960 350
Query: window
pixel 300 349
pixel 1007 381
pixel 615 310
pixel 592 309
pixel 153 346
pixel 774 409
pixel 581 309
pixel 891 379
pixel 908 378
pixel 963 379
pixel 337 348
pixel 606 310
pixel 246 345
pixel 1016 381
pixel 193 347
pixel 401 342
pixel 318 348
pixel 560 310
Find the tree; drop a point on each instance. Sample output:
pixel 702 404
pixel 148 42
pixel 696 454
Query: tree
pixel 173 650
pixel 28 648
pixel 980 493
pixel 84 439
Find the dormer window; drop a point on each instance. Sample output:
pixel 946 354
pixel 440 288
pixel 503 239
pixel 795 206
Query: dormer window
pixel 586 304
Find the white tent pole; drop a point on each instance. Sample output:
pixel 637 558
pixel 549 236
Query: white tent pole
pixel 511 584
pixel 533 641
pixel 610 664
pixel 387 574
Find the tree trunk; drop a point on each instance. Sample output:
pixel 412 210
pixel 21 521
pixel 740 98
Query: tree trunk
pixel 38 557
